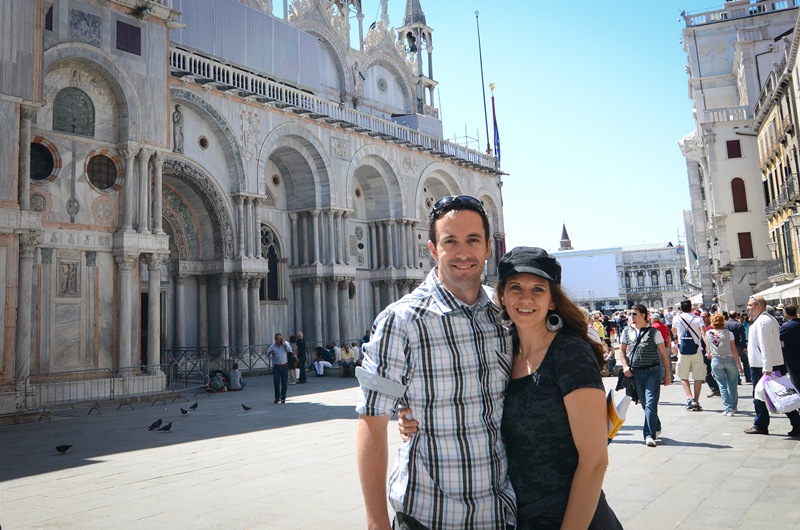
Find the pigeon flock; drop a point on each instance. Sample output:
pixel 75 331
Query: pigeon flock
pixel 156 425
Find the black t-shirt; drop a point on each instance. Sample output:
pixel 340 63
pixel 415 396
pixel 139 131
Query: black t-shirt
pixel 541 454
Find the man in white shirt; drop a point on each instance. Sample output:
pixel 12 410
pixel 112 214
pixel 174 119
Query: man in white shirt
pixel 690 363
pixel 766 356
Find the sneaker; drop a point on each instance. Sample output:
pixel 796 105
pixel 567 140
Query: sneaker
pixel 725 412
pixel 753 430
pixel 649 442
pixel 689 405
pixel 658 435
pixel 731 413
pixel 696 407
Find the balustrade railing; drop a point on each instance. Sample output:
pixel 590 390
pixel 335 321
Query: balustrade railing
pixel 737 11
pixel 265 90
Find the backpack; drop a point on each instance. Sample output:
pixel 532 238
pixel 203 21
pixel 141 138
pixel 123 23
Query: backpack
pixel 686 343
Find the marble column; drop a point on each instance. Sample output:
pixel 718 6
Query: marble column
pixel 154 262
pixel 127 189
pixel 376 298
pixel 224 330
pixel 317 288
pixel 242 282
pixel 26 116
pixel 142 159
pixel 333 310
pixel 248 227
pixel 297 285
pixel 255 313
pixel 256 231
pixel 180 310
pixel 315 249
pixel 202 311
pixel 388 225
pixel 403 226
pixel 333 254
pixel 360 18
pixel 92 345
pixel 240 222
pixel 344 310
pixel 392 284
pixel 158 192
pixel 126 264
pixel 413 249
pixel 295 240
pixel 373 245
pixel 305 218
pixel 345 239
pixel 381 228
pixel 27 250
pixel 45 322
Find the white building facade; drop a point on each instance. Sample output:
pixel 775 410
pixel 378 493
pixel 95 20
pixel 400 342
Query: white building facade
pixel 174 185
pixel 729 53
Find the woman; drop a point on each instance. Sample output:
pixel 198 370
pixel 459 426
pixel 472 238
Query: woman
pixel 725 363
pixel 555 424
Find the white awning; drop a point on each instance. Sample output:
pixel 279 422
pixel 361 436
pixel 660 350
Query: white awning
pixel 696 299
pixel 790 290
pixel 773 293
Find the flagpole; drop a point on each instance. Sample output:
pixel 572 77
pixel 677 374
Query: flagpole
pixel 494 125
pixel 483 86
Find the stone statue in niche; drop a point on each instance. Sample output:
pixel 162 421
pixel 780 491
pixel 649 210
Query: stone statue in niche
pixel 68 279
pixel 177 130
pixel 358 78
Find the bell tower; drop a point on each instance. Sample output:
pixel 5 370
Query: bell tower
pixel 566 243
pixel 417 40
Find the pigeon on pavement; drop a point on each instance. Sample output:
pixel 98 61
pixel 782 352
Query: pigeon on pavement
pixel 193 407
pixel 63 448
pixel 166 427
pixel 245 407
pixel 184 411
pixel 155 425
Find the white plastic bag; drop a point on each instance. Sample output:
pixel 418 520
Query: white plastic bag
pixel 782 393
pixel 759 393
pixel 617 407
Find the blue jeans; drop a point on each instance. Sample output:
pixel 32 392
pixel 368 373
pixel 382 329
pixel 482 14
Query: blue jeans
pixel 727 375
pixel 648 389
pixel 280 378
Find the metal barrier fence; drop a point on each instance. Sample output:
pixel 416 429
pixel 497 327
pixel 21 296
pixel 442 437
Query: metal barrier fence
pixel 44 391
pixel 134 382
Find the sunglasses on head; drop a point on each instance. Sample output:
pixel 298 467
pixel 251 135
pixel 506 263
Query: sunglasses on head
pixel 449 203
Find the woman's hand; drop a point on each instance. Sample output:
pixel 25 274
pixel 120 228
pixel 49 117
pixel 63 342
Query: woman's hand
pixel 407 426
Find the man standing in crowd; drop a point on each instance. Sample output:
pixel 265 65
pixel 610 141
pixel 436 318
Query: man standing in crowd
pixel 790 337
pixel 733 325
pixel 301 356
pixel 279 351
pixel 445 339
pixel 690 357
pixel 643 354
pixel 765 356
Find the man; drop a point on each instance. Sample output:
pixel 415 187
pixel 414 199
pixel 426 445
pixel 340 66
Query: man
pixel 765 356
pixel 443 352
pixel 657 323
pixel 301 356
pixel 790 339
pixel 733 325
pixel 279 351
pixel 643 354
pixel 687 329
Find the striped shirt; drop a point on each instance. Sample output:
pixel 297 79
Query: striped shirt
pixel 455 361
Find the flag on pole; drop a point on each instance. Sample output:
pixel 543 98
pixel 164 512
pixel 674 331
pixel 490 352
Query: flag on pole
pixel 496 132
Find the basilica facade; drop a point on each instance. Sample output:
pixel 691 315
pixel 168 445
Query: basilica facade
pixel 198 175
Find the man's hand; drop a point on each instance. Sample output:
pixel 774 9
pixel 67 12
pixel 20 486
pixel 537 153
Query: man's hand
pixel 407 426
pixel 626 370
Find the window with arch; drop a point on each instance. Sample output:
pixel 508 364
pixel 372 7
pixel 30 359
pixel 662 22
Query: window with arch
pixel 739 195
pixel 271 252
pixel 73 112
pixel 627 280
pixel 668 277
pixel 640 279
pixel 654 278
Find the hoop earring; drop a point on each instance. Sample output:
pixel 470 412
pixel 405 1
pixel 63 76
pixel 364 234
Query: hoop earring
pixel 554 322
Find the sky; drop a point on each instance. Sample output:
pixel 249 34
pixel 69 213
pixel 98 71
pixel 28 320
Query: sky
pixel 592 99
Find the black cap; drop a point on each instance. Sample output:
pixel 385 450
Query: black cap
pixel 529 260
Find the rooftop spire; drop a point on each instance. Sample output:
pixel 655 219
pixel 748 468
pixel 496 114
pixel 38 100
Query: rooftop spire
pixel 414 13
pixel 566 244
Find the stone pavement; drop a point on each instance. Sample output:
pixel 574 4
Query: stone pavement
pixel 293 466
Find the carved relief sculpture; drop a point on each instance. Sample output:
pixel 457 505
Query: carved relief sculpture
pixel 177 130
